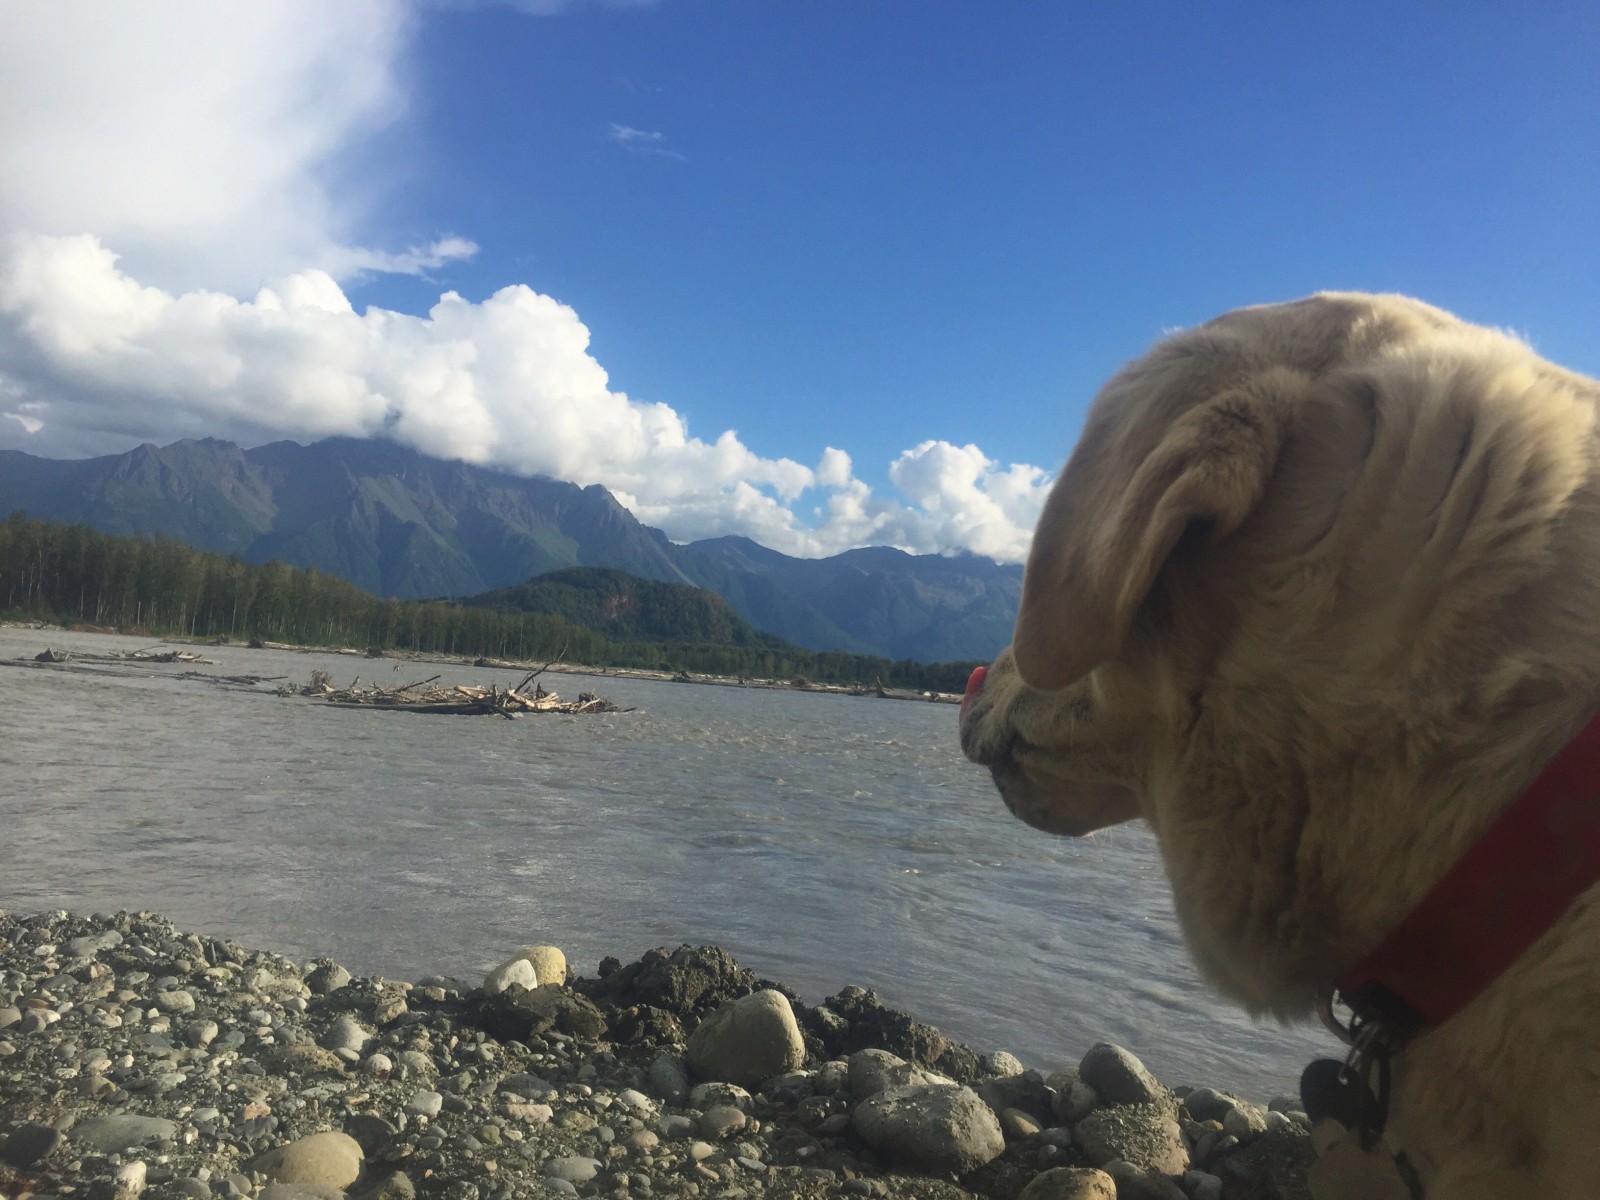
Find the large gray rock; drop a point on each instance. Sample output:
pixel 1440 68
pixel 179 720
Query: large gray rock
pixel 873 1071
pixel 1144 1135
pixel 930 1127
pixel 1119 1077
pixel 121 1131
pixel 329 1160
pixel 747 1040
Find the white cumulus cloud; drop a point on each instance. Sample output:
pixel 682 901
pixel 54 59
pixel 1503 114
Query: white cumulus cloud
pixel 159 159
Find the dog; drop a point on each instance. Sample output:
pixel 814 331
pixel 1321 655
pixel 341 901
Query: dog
pixel 1317 596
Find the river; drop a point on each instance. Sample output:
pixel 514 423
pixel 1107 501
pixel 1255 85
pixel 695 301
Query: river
pixel 824 840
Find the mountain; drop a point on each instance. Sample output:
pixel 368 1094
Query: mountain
pixel 626 608
pixel 399 523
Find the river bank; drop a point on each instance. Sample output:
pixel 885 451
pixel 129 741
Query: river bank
pixel 556 667
pixel 137 1058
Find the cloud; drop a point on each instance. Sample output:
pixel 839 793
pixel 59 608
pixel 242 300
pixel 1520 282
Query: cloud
pixel 160 158
pixel 213 144
pixel 641 141
pixel 92 360
pixel 555 8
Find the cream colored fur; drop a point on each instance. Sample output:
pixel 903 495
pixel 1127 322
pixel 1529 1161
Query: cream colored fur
pixel 1317 596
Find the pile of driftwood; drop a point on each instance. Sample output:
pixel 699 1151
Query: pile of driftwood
pixel 460 699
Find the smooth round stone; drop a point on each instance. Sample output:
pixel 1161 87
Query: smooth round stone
pixel 92 943
pixel 331 1160
pixel 200 1034
pixel 675 1127
pixel 121 1131
pixel 574 1168
pixel 327 977
pixel 175 1001
pixel 514 972
pixel 1118 1076
pixel 1244 1121
pixel 636 1100
pixel 1019 1124
pixel 346 1034
pixel 722 1121
pixel 379 1066
pixel 425 1104
pixel 1070 1183
pixel 549 963
pixel 748 1040
pixel 9 1016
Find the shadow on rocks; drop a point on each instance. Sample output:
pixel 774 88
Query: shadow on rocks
pixel 855 1019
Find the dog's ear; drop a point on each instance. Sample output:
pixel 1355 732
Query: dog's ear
pixel 1117 513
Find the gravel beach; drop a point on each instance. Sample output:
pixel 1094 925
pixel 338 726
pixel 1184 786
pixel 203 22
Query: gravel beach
pixel 140 1059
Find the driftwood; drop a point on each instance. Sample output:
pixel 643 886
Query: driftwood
pixel 458 699
pixel 152 655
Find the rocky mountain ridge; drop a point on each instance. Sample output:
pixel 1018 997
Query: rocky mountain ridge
pixel 400 523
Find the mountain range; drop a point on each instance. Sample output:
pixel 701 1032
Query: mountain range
pixel 400 523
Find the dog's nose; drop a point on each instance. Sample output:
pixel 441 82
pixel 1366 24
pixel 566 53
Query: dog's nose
pixel 974 686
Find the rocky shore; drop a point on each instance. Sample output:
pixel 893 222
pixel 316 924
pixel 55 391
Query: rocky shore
pixel 139 1059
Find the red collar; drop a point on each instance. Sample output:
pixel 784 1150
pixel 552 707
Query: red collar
pixel 1539 856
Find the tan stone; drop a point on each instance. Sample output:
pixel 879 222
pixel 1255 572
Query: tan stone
pixel 549 963
pixel 331 1160
pixel 1071 1183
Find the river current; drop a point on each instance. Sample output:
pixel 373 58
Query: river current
pixel 824 840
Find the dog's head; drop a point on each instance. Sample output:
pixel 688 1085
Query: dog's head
pixel 1279 579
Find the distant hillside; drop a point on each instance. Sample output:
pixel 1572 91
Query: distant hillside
pixel 627 608
pixel 401 524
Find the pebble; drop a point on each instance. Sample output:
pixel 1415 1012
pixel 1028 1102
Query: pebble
pixel 573 1168
pixel 425 1104
pixel 397 1083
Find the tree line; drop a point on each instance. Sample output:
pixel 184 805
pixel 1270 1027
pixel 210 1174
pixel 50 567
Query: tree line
pixel 71 574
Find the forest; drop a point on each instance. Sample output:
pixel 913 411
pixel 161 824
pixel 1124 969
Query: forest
pixel 72 575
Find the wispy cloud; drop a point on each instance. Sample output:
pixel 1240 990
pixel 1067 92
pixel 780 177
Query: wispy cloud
pixel 554 8
pixel 644 141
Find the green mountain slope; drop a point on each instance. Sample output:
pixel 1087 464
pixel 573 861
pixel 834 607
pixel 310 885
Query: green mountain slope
pixel 629 609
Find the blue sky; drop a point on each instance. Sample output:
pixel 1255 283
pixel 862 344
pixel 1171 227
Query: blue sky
pixel 893 247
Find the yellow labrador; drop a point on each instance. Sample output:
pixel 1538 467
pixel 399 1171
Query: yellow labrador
pixel 1318 597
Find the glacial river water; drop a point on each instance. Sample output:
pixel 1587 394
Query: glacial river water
pixel 824 840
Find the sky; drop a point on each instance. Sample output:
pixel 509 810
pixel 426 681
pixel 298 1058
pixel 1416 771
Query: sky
pixel 825 273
